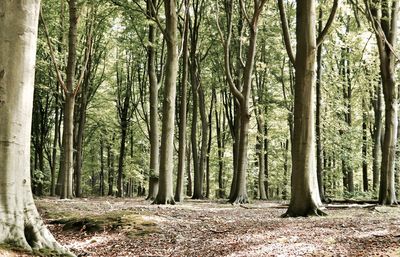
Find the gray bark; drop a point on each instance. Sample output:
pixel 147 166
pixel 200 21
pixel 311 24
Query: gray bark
pixel 20 222
pixel 165 194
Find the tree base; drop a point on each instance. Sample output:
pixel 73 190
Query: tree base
pixel 309 213
pixel 25 230
pixel 164 200
pixel 241 199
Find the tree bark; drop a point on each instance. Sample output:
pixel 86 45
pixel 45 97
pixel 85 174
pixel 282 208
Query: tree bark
pixel 385 26
pixel 69 105
pixel 165 194
pixel 20 220
pixel 183 110
pixel 320 171
pixel 377 104
pixel 154 133
pixel 305 199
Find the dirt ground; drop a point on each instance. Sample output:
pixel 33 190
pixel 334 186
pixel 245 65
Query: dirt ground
pixel 134 227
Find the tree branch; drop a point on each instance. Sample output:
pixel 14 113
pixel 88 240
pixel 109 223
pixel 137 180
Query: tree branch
pixel 53 58
pixel 328 24
pixel 285 31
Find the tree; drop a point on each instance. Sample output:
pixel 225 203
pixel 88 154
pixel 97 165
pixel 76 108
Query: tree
pixel 305 199
pixel 242 96
pixel 20 221
pixel 154 130
pixel 165 194
pixel 384 18
pixel 183 109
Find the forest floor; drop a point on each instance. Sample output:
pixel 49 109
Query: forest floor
pixel 134 227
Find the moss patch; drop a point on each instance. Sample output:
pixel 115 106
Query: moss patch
pixel 11 249
pixel 132 223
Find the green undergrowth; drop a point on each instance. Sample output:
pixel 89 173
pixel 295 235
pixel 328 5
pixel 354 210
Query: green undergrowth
pixel 130 222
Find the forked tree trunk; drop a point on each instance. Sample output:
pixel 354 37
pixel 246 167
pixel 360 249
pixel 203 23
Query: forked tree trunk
pixel 165 194
pixel 20 223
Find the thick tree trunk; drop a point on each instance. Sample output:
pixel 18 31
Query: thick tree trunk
pixel 305 199
pixel 154 133
pixel 165 194
pixel 20 222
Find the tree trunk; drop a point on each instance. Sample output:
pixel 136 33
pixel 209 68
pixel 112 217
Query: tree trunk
pixel 110 165
pixel 120 178
pixel 68 138
pixel 387 20
pixel 183 111
pixel 220 144
pixel 165 194
pixel 154 134
pixel 320 171
pixel 377 103
pixel 189 190
pixel 209 120
pixel 19 219
pixel 101 184
pixel 305 199
pixel 364 148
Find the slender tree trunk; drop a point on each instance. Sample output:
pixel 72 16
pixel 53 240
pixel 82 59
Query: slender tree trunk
pixel 154 133
pixel 183 110
pixel 220 144
pixel 209 146
pixel 165 194
pixel 120 178
pixel 364 148
pixel 320 170
pixel 189 190
pixel 20 221
pixel 101 184
pixel 377 103
pixel 68 137
pixel 110 165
